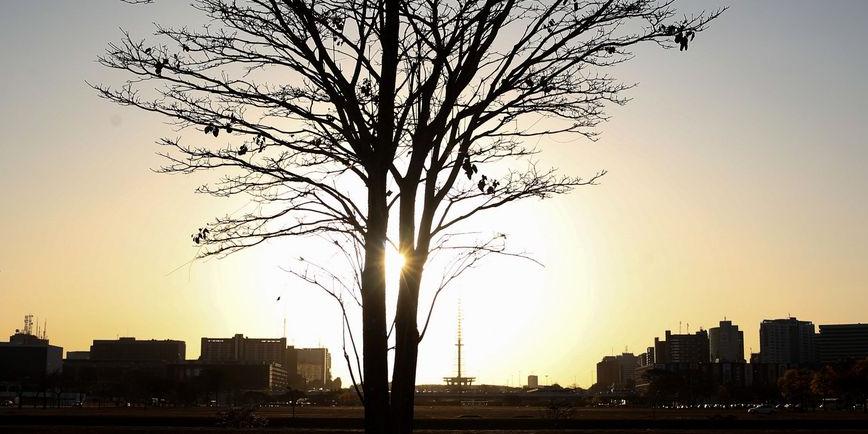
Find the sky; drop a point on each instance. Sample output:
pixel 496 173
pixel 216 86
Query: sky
pixel 736 189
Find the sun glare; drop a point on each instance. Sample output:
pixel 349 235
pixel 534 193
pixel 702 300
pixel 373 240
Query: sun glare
pixel 394 261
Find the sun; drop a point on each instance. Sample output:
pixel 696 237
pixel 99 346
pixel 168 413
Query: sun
pixel 394 261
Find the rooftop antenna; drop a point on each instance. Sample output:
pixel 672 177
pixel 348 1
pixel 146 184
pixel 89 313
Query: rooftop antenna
pixel 28 324
pixel 688 328
pixel 679 327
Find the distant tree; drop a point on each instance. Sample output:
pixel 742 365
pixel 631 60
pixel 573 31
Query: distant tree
pixel 825 383
pixel 855 383
pixel 560 408
pixel 341 116
pixel 795 385
pixel 723 394
pixel 664 386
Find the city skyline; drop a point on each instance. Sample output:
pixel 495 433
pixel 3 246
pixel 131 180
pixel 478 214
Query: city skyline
pixel 34 330
pixel 740 200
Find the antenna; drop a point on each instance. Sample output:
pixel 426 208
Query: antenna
pixel 459 380
pixel 459 344
pixel 28 324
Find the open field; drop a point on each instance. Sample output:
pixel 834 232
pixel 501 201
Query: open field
pixel 435 419
pixel 169 430
pixel 443 412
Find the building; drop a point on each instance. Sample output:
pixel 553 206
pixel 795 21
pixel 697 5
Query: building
pixel 314 365
pixel 708 376
pixel 229 377
pixel 766 375
pixel 78 355
pixel 617 371
pixel 682 348
pixel 28 358
pixel 242 349
pixel 646 358
pixel 532 381
pixel 130 349
pixel 787 341
pixel 608 371
pixel 111 365
pixel 726 343
pixel 841 342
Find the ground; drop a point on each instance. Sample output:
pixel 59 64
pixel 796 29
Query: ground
pixel 435 419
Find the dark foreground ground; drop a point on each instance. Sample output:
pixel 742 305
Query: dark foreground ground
pixel 166 430
pixel 435 420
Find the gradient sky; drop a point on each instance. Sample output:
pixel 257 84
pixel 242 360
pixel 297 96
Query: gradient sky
pixel 737 187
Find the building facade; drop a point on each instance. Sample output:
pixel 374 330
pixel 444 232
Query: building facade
pixel 314 365
pixel 242 349
pixel 532 381
pixel 841 342
pixel 131 349
pixel 112 364
pixel 28 359
pixel 726 343
pixel 617 371
pixel 232 376
pixel 787 341
pixel 682 348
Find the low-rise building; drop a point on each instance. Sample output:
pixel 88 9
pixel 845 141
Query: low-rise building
pixel 841 342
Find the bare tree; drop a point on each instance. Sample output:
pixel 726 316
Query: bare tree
pixel 333 115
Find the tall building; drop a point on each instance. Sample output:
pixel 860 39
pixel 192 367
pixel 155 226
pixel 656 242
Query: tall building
pixel 242 349
pixel 28 358
pixel 787 340
pixel 617 371
pixel 608 371
pixel 646 358
pixel 726 343
pixel 682 348
pixel 532 381
pixel 315 364
pixel 131 350
pixel 841 342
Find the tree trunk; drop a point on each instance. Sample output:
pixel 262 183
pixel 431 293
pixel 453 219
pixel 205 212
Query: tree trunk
pixel 406 347
pixel 375 351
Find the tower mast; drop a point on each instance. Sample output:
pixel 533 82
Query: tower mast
pixel 459 381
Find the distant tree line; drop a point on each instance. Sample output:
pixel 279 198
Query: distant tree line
pixel 841 385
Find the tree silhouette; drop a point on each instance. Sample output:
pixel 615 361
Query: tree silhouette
pixel 339 117
pixel 795 385
pixel 826 383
